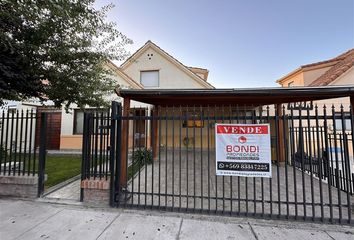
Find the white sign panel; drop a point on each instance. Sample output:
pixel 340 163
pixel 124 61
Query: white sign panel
pixel 243 150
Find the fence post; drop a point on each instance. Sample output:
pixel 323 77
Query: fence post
pixel 154 132
pixel 42 152
pixel 112 149
pixel 280 134
pixel 85 151
pixel 125 144
pixel 118 154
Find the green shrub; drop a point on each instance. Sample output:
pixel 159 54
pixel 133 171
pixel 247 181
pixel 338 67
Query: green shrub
pixel 142 156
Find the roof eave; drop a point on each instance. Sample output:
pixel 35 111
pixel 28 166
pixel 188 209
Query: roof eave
pixel 260 96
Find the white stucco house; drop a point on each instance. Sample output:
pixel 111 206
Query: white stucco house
pixel 149 67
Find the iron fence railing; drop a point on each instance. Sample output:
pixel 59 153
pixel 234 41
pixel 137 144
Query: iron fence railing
pixel 23 144
pixel 336 173
pixel 96 145
pixel 309 181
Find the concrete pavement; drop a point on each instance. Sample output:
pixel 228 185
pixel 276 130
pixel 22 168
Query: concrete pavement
pixel 25 219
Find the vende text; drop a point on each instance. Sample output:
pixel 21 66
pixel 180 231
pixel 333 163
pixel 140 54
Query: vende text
pixel 242 129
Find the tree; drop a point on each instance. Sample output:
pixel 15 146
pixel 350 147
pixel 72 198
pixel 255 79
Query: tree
pixel 55 49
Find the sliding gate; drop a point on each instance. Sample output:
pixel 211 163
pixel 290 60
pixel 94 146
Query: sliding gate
pixel 164 158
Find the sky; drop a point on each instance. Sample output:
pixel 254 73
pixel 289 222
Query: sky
pixel 243 43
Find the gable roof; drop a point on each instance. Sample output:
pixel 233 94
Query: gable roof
pixel 117 70
pixel 339 65
pixel 344 63
pixel 150 44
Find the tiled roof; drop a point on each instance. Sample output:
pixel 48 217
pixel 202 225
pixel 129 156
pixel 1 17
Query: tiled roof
pixel 338 58
pixel 343 63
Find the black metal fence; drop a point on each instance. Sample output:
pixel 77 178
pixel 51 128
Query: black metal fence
pixel 164 158
pixel 330 161
pixel 19 155
pixel 96 145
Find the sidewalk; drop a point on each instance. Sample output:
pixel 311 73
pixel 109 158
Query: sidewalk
pixel 21 219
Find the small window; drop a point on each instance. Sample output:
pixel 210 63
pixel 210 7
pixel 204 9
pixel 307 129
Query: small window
pixel 291 84
pixel 193 119
pixel 101 119
pixel 149 78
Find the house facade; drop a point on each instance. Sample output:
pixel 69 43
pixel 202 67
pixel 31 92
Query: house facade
pixel 338 71
pixel 150 67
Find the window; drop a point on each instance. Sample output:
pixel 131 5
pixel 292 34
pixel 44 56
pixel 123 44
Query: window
pixel 291 84
pixel 149 79
pixel 78 122
pixel 79 119
pixel 193 119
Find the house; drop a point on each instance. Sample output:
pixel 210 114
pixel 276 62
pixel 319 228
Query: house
pixel 150 67
pixel 337 71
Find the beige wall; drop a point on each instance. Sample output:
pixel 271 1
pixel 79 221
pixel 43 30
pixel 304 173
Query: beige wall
pixel 297 78
pixel 346 79
pixel 311 75
pixel 306 76
pixel 170 76
pixel 70 141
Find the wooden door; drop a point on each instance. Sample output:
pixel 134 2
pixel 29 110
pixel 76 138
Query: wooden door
pixel 53 128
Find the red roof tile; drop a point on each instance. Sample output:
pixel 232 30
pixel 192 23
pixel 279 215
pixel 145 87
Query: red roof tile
pixel 338 58
pixel 345 62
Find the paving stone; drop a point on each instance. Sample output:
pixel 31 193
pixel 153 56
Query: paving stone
pixel 134 226
pixel 196 229
pixel 72 224
pixel 348 235
pixel 17 217
pixel 281 233
pixel 70 191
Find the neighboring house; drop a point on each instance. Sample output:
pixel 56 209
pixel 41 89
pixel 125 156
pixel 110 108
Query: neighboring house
pixel 149 67
pixel 335 71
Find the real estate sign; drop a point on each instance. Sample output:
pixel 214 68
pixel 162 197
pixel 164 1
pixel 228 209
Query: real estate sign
pixel 243 150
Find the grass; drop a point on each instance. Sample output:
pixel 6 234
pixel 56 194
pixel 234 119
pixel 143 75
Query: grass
pixel 61 168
